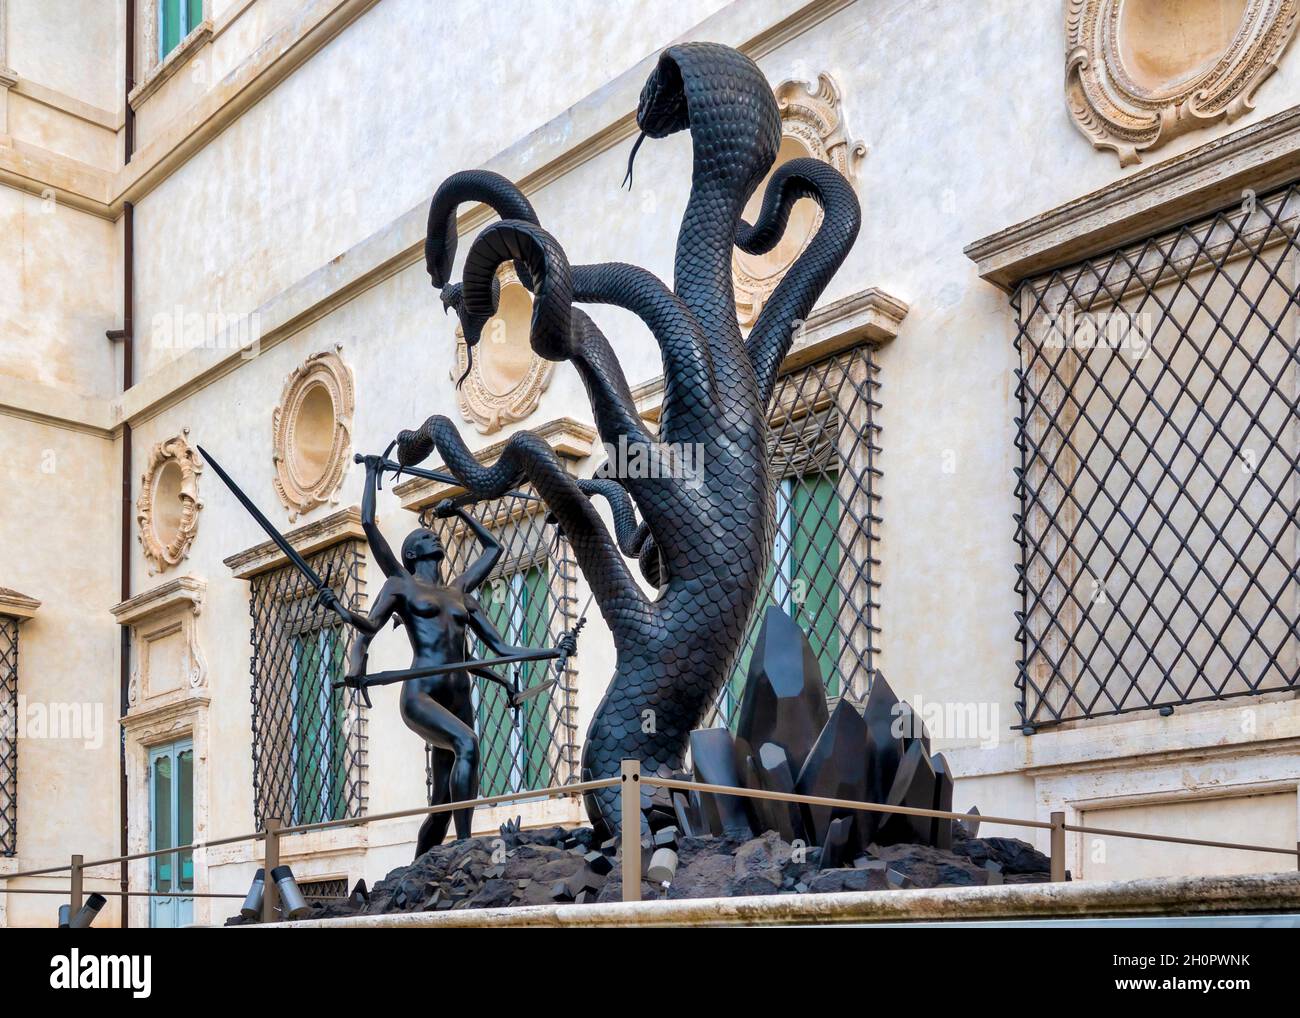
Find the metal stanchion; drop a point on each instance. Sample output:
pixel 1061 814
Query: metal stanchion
pixel 75 895
pixel 630 803
pixel 270 898
pixel 1058 847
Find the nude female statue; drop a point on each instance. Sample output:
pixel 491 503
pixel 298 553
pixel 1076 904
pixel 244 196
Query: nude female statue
pixel 438 708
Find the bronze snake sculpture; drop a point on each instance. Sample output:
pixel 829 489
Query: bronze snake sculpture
pixel 706 546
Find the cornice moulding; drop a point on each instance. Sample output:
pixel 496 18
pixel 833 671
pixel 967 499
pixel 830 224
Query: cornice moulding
pixel 1209 177
pixel 184 590
pixel 180 708
pixel 869 316
pixel 17 606
pixel 311 537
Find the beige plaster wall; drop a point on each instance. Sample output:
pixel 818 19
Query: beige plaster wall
pixel 59 525
pixel 1268 819
pixel 74 47
pixel 291 184
pixel 60 294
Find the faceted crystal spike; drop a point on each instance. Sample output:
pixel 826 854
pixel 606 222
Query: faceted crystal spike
pixel 715 764
pixel 941 830
pixel 835 847
pixel 913 786
pixel 785 698
pixel 972 822
pixel 688 818
pixel 772 771
pixel 836 769
pixel 912 727
pixel 885 745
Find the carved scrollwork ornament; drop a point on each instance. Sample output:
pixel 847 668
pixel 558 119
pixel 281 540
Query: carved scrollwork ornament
pixel 811 118
pixel 1139 73
pixel 312 432
pixel 167 511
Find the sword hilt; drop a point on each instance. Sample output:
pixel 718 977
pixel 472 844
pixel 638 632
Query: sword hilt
pixel 562 661
pixel 359 686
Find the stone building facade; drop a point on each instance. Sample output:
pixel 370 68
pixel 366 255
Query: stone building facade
pixel 1036 452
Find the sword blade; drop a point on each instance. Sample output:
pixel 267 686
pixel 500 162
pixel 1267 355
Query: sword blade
pixel 280 540
pixel 403 674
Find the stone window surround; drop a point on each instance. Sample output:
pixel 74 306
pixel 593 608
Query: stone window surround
pixel 1254 159
pixel 1141 752
pixel 151 72
pixel 156 718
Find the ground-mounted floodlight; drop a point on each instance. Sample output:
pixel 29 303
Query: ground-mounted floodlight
pixel 252 907
pixel 86 916
pixel 292 904
pixel 663 867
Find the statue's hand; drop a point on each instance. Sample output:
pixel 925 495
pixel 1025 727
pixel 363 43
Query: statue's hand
pixel 447 507
pixel 329 600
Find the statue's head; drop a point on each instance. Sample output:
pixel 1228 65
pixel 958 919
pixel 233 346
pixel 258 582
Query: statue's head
pixel 420 544
pixel 722 96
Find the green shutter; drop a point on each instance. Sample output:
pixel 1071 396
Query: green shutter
pixel 536 711
pixel 320 728
pixel 493 710
pixel 169 26
pixel 816 563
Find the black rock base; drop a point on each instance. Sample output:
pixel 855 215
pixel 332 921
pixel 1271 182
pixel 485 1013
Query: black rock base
pixel 557 864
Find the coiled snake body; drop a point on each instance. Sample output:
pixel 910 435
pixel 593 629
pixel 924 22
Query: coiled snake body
pixel 705 545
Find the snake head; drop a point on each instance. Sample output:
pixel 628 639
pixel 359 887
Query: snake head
pixel 662 109
pixel 471 325
pixel 722 97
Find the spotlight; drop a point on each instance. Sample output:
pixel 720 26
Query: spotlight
pixel 86 917
pixel 663 867
pixel 65 916
pixel 292 904
pixel 252 907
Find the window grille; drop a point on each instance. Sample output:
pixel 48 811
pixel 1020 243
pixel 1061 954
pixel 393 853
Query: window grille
pixel 325 889
pixel 823 448
pixel 309 739
pixel 530 599
pixel 1158 479
pixel 8 735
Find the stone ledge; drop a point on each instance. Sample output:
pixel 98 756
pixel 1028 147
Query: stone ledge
pixel 17 606
pixel 1210 177
pixel 338 526
pixel 1182 896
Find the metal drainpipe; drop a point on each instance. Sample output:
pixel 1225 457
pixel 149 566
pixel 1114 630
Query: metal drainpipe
pixel 127 336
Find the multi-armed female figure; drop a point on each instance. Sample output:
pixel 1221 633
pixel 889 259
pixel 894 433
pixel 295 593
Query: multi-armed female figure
pixel 438 708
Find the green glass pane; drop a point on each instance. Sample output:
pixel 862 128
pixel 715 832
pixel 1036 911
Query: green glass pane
pixel 815 595
pixel 195 15
pixel 185 814
pixel 536 711
pixel 170 31
pixel 162 821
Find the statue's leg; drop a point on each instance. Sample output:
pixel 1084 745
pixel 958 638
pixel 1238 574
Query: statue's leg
pixel 434 829
pixel 445 731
